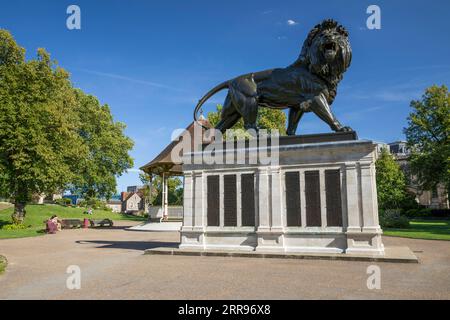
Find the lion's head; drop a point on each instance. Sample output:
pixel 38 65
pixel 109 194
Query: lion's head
pixel 326 51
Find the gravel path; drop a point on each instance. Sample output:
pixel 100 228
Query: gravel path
pixel 113 267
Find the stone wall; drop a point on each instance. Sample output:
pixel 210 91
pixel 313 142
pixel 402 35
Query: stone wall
pixel 319 197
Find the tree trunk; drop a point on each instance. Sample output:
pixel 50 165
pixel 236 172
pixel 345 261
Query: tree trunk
pixel 19 212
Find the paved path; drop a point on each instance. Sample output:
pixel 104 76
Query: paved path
pixel 113 267
pixel 157 226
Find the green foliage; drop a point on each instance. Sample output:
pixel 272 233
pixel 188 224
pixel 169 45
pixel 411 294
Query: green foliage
pixel 267 119
pixel 53 136
pixel 391 183
pixel 427 213
pixel 107 146
pixel 14 226
pixel 63 202
pixel 153 194
pixel 428 135
pixel 83 203
pixel 10 52
pixel 94 203
pixel 3 264
pixel 38 126
pixel 392 218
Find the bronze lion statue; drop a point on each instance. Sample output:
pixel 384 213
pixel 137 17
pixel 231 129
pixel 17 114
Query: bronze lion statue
pixel 309 84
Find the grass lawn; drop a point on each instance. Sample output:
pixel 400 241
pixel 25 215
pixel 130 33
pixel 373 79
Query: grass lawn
pixel 37 213
pixel 423 229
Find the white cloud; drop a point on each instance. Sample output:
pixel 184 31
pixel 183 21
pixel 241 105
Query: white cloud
pixel 291 22
pixel 133 170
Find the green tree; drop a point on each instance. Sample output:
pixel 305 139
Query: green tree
pixel 38 125
pixel 10 52
pixel 153 191
pixel 267 119
pixel 107 145
pixel 428 136
pixel 391 183
pixel 53 136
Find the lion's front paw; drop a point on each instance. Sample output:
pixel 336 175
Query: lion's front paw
pixel 345 129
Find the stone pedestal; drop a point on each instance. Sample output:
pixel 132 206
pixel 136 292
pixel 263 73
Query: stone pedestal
pixel 318 197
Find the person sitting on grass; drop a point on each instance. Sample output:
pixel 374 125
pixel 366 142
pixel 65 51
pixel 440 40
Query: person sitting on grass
pixel 56 221
pixel 51 225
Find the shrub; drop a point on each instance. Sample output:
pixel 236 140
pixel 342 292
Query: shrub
pixel 82 203
pixel 417 213
pixel 391 182
pixel 95 204
pixel 63 202
pixel 409 202
pixel 13 226
pixel 3 263
pixel 427 213
pixel 444 213
pixel 391 218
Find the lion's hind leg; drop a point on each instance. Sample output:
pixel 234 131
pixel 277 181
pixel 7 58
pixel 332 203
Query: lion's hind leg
pixel 243 94
pixel 295 114
pixel 229 115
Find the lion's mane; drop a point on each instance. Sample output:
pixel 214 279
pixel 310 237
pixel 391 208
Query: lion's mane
pixel 312 55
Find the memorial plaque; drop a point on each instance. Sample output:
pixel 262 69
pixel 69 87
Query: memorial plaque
pixel 293 215
pixel 230 200
pixel 248 200
pixel 213 201
pixel 312 195
pixel 333 197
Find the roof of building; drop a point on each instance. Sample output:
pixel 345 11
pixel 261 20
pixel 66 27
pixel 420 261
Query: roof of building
pixel 163 162
pixel 128 195
pixel 397 142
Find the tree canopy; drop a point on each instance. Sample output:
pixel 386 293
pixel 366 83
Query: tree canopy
pixel 107 146
pixel 153 189
pixel 52 135
pixel 428 136
pixel 391 183
pixel 267 119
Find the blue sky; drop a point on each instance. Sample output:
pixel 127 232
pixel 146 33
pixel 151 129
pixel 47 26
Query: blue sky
pixel 150 61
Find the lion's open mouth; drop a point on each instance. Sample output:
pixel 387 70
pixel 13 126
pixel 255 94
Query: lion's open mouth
pixel 329 46
pixel 329 49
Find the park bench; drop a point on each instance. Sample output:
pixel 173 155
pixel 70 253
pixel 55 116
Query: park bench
pixel 71 223
pixel 101 223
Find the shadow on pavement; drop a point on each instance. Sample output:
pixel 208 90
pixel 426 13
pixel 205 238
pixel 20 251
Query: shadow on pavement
pixel 123 227
pixel 131 245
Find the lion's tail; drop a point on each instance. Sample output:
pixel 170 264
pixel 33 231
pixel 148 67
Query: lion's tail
pixel 213 91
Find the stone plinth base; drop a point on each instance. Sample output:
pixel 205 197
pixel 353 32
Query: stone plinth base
pixel 317 197
pixel 392 254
